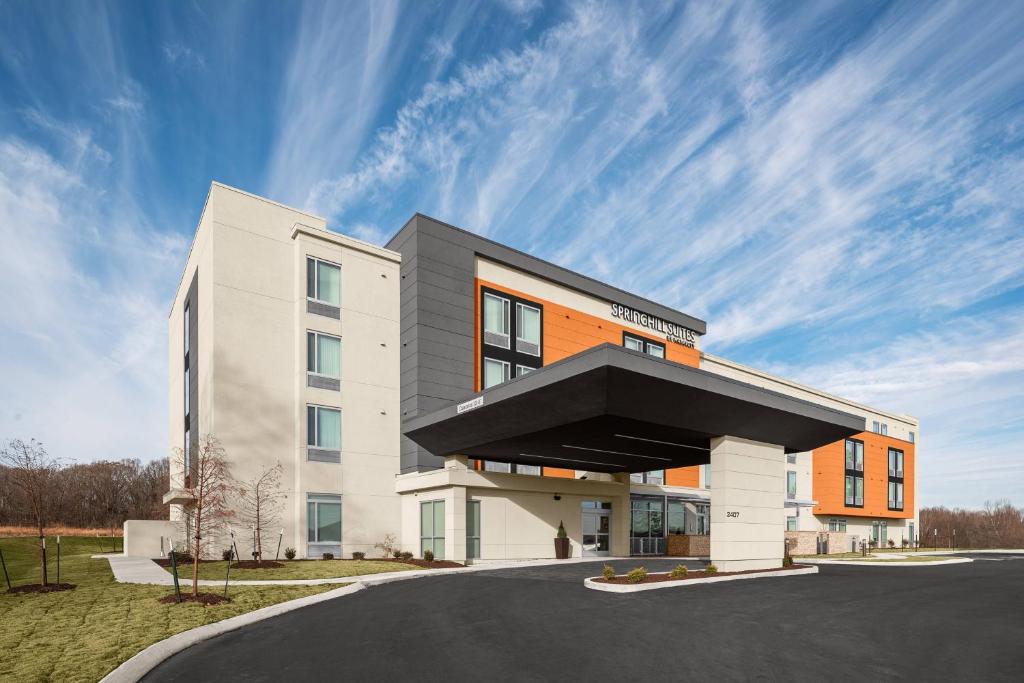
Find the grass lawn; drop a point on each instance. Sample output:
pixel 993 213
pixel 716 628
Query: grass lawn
pixel 297 569
pixel 912 558
pixel 83 634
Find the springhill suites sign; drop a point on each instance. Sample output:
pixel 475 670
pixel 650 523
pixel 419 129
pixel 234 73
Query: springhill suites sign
pixel 672 331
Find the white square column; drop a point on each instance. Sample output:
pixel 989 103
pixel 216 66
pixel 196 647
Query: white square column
pixel 748 496
pixel 455 513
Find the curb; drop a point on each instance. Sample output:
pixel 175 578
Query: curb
pixel 637 588
pixel 878 563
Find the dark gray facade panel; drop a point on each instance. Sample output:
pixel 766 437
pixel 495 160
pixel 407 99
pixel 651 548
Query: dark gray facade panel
pixel 438 375
pixel 453 279
pixel 429 347
pixel 440 302
pixel 439 335
pixel 435 314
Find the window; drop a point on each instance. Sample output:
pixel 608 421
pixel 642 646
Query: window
pixel 837 525
pixel 875 428
pixel 527 329
pixel 496 323
pixel 187 308
pixel 791 485
pixel 501 361
pixel 676 517
pixel 323 428
pixel 854 473
pixel 885 429
pixel 432 528
pixel 509 468
pixel 472 529
pixel 703 520
pixel 791 523
pixel 188 452
pixel 495 372
pixel 895 479
pixel 323 518
pixel 638 343
pixel 528 469
pixel 705 475
pixel 880 532
pixel 323 281
pixel 323 354
pixel 911 439
pixel 186 391
pixel 652 477
pixel 791 458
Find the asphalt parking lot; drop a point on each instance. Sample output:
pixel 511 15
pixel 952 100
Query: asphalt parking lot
pixel 953 623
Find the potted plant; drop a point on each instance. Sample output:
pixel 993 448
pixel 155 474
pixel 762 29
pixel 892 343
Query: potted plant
pixel 561 543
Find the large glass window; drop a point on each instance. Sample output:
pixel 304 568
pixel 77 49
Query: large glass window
pixel 895 479
pixel 187 387
pixel 187 308
pixel 838 525
pixel 323 354
pixel 854 474
pixel 676 517
pixel 652 477
pixel 527 329
pixel 323 518
pixel 638 343
pixel 432 528
pixel 791 485
pixel 496 321
pixel 323 281
pixel 495 372
pixel 703 519
pixel 705 474
pixel 472 529
pixel 323 428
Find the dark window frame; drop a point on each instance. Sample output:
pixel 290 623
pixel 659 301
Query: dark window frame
pixel 894 479
pixel 855 473
pixel 514 358
pixel 648 341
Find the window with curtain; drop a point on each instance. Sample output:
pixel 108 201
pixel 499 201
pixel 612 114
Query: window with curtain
pixel 432 528
pixel 323 518
pixel 496 321
pixel 323 281
pixel 495 372
pixel 323 354
pixel 791 485
pixel 324 427
pixel 527 329
pixel 791 523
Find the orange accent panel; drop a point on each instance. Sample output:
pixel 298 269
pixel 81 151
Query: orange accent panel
pixel 683 476
pixel 829 466
pixel 558 472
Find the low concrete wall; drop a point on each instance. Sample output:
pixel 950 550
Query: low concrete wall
pixel 142 536
pixel 682 545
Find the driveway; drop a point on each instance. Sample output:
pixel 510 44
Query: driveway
pixel 957 622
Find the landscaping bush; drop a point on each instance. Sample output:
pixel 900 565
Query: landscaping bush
pixel 356 555
pixel 787 561
pixel 227 554
pixel 636 575
pixel 679 572
pixel 397 553
pixel 405 555
pixel 608 572
pixel 428 555
pixel 328 556
pixel 892 543
pixel 711 569
pixel 183 558
pixel 289 553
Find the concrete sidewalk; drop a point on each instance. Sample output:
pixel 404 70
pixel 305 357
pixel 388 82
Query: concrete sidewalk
pixel 141 570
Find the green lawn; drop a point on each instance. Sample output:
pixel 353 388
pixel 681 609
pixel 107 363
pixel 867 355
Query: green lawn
pixel 83 634
pixel 297 569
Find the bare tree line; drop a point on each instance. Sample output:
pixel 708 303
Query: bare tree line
pixel 997 525
pixel 96 495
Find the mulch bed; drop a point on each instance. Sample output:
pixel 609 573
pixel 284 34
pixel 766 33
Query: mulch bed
pixel 658 578
pixel 270 564
pixel 202 598
pixel 39 588
pixel 436 564
pixel 252 564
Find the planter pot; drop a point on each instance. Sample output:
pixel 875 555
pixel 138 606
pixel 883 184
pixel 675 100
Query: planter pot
pixel 561 548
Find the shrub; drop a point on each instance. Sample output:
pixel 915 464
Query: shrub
pixel 183 558
pixel 608 572
pixel 787 561
pixel 289 553
pixel 636 575
pixel 405 555
pixel 428 555
pixel 711 569
pixel 679 572
pixel 356 555
pixel 328 556
pixel 227 554
pixel 561 530
pixel 892 543
pixel 397 553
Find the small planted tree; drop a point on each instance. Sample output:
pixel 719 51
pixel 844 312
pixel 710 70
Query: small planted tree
pixel 33 474
pixel 207 511
pixel 261 498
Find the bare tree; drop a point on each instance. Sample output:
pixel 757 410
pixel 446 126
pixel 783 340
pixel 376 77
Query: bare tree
pixel 261 499
pixel 33 473
pixel 207 510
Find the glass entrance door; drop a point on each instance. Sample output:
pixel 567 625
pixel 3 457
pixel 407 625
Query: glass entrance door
pixel 597 528
pixel 647 528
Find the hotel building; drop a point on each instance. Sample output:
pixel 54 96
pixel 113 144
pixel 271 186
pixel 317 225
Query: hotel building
pixel 469 399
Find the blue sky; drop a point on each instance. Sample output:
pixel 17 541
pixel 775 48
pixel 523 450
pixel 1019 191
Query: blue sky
pixel 837 188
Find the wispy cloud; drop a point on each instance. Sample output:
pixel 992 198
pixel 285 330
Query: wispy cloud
pixel 180 55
